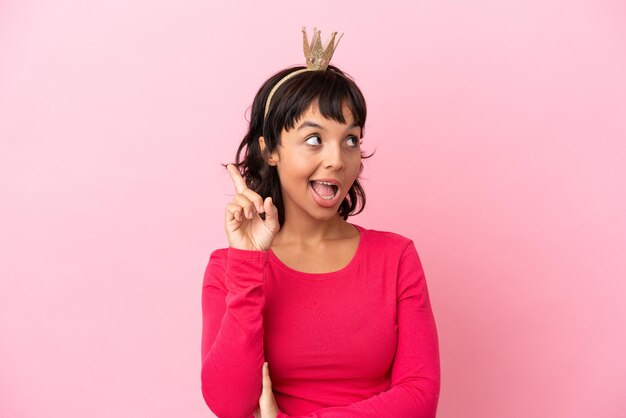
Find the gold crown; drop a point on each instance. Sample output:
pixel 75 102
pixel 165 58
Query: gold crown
pixel 317 58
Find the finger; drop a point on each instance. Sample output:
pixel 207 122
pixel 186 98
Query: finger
pixel 235 175
pixel 248 207
pixel 267 382
pixel 255 198
pixel 234 211
pixel 271 213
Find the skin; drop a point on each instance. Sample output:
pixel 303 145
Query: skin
pixel 267 403
pixel 244 229
pixel 328 149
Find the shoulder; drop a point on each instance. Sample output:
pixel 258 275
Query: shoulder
pixel 387 241
pixel 396 251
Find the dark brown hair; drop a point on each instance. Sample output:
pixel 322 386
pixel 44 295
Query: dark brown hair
pixel 329 89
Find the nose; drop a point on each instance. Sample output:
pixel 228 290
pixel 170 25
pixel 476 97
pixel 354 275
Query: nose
pixel 334 156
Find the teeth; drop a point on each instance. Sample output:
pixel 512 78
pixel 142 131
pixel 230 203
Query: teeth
pixel 330 184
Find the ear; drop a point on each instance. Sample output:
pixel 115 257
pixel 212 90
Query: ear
pixel 273 158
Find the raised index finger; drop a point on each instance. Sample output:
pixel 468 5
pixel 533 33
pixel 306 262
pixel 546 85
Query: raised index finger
pixel 238 181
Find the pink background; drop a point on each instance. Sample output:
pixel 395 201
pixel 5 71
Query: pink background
pixel 500 132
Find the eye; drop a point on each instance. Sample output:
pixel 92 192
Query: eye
pixel 313 137
pixel 355 139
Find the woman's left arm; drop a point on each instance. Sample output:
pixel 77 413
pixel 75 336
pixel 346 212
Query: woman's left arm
pixel 415 375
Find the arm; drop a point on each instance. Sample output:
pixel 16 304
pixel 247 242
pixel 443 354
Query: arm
pixel 415 375
pixel 232 331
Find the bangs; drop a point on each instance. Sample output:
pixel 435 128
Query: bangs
pixel 329 90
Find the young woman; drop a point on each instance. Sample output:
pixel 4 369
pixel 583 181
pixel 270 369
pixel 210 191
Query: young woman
pixel 339 312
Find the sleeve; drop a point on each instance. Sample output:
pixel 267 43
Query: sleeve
pixel 232 331
pixel 415 375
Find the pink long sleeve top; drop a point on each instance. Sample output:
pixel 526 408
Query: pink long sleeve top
pixel 357 342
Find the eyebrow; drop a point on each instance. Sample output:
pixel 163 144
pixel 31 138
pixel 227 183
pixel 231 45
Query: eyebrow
pixel 310 124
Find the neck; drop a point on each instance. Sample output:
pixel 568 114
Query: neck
pixel 308 231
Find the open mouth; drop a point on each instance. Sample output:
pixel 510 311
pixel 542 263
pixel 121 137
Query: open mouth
pixel 324 190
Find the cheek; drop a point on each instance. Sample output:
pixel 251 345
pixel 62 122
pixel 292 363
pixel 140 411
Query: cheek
pixel 295 173
pixel 355 165
pixel 299 166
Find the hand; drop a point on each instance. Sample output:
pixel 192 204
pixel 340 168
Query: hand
pixel 267 404
pixel 244 227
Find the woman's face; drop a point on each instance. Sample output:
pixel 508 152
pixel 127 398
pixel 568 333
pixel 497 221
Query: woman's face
pixel 317 149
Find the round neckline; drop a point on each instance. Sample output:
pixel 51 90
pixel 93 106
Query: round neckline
pixel 353 261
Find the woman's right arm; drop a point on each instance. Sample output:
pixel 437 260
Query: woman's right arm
pixel 232 331
pixel 232 305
